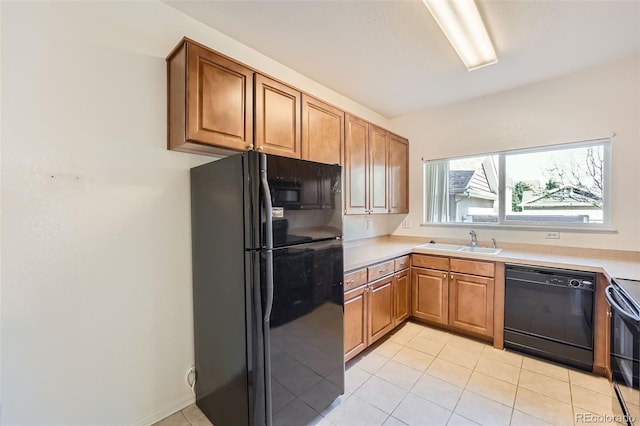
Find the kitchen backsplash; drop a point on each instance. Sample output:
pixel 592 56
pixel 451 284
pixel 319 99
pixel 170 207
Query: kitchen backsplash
pixel 356 227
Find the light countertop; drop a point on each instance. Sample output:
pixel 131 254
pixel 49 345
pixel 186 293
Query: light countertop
pixel 612 263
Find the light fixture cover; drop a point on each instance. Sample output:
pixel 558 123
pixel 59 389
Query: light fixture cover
pixel 461 23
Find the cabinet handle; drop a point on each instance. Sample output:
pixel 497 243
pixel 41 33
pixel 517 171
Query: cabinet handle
pixel 444 275
pixel 382 270
pixel 352 280
pixel 250 146
pixel 260 148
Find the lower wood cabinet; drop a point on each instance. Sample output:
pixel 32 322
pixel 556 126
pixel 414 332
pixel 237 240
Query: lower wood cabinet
pixel 471 303
pixel 373 309
pixel 402 296
pixel 355 322
pixel 430 295
pixel 381 308
pixel 455 297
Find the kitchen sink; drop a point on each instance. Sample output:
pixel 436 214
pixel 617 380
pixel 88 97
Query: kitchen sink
pixel 442 246
pixel 460 248
pixel 483 250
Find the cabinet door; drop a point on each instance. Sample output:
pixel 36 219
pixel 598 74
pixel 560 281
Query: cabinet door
pixel 402 296
pixel 398 174
pixel 277 118
pixel 322 131
pixel 210 101
pixel 356 169
pixel 355 322
pixel 430 295
pixel 471 303
pixel 378 171
pixel 380 308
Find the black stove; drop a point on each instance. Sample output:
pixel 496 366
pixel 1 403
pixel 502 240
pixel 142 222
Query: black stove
pixel 624 297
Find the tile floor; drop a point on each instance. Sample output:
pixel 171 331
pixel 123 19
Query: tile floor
pixel 420 376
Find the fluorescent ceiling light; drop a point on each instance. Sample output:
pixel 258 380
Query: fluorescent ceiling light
pixel 460 21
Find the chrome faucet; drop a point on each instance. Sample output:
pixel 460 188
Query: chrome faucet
pixel 474 238
pixel 493 243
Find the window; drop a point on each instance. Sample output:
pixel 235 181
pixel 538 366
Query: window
pixel 557 186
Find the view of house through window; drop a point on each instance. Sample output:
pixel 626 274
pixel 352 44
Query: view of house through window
pixel 562 185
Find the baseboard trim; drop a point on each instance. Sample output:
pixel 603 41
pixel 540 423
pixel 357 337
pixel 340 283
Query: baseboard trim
pixel 174 407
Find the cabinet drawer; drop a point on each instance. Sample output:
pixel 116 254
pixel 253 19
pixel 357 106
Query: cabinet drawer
pixel 473 267
pixel 354 279
pixel 430 262
pixel 401 263
pixel 380 270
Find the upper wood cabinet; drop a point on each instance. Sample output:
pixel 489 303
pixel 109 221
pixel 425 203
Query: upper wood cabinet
pixel 322 131
pixel 375 169
pixel 210 102
pixel 398 174
pixel 378 170
pixel 217 106
pixel 277 118
pixel 356 166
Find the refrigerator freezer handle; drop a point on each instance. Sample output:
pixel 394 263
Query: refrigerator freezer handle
pixel 268 207
pixel 268 231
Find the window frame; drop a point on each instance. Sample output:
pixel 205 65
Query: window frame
pixel 604 227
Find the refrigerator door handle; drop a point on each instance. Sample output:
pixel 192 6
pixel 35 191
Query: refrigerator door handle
pixel 268 230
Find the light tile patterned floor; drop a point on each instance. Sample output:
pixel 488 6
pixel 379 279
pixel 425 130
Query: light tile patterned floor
pixel 421 376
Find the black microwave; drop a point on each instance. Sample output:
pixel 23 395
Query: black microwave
pixel 286 194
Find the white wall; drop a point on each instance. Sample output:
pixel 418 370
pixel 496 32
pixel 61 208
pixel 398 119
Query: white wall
pixel 587 105
pixel 96 267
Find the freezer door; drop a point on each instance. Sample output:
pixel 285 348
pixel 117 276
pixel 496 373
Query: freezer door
pixel 306 326
pixel 306 199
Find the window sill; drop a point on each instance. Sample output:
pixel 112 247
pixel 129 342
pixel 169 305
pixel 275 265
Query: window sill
pixel 539 228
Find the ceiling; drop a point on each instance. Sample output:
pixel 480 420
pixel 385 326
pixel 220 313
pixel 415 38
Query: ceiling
pixel 392 57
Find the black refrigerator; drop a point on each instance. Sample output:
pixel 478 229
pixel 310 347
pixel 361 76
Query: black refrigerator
pixel 268 296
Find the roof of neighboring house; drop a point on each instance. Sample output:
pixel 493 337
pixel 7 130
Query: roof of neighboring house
pixel 459 179
pixel 568 196
pixel 470 177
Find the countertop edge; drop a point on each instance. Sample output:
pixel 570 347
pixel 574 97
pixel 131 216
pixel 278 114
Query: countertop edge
pixel 610 268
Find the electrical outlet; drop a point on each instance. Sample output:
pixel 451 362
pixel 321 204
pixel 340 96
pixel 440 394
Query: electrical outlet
pixel 552 235
pixel 406 224
pixel 368 223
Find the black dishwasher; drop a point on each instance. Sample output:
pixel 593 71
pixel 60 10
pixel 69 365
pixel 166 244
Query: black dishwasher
pixel 548 312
